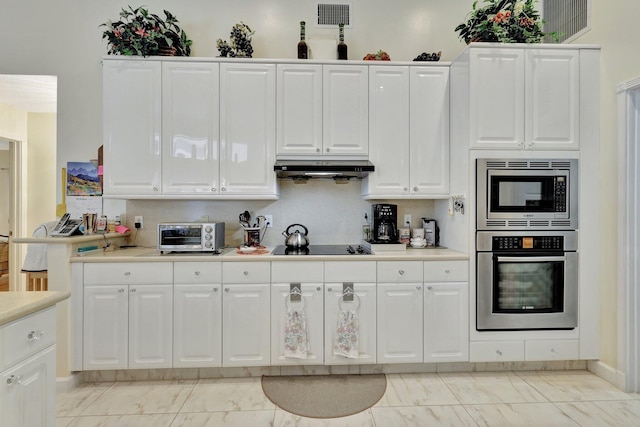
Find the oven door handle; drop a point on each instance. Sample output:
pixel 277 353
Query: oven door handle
pixel 530 258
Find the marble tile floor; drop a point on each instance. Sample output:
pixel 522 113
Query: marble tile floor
pixel 526 398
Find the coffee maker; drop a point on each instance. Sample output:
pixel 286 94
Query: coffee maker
pixel 385 220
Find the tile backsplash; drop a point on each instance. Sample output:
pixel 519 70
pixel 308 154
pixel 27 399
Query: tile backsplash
pixel 333 213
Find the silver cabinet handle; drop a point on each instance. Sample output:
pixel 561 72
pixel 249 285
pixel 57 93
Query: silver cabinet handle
pixel 196 273
pixel 418 287
pixel 121 290
pixel 447 271
pixel 132 290
pixel 498 352
pixel 401 272
pixel 215 289
pixel 226 289
pixel 155 189
pixel 213 188
pixel 554 351
pixel 329 289
pixel 246 273
pixel 35 335
pixel 415 189
pixel 318 289
pixel 14 379
pixel 127 273
pixel 223 189
pixel 430 288
pixel 317 150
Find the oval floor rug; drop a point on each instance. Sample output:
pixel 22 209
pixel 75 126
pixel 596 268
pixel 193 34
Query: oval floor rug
pixel 324 396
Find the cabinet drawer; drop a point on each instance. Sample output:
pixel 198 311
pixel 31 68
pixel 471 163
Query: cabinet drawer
pixel 246 272
pixel 552 350
pixel 27 336
pixel 446 271
pixel 349 271
pixel 399 272
pixel 304 271
pixel 496 351
pixel 197 272
pixel 128 273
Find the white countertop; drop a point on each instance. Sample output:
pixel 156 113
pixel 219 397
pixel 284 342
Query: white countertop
pixel 231 254
pixel 14 305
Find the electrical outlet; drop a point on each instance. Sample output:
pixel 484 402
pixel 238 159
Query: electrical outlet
pixel 138 220
pixel 269 220
pixel 407 221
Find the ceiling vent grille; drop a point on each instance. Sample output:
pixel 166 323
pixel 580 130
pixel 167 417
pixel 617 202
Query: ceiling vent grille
pixel 333 14
pixel 569 18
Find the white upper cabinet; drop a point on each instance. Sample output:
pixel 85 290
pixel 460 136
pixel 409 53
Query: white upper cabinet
pixel 132 125
pixel 524 98
pixel 191 127
pixel 408 132
pixel 247 129
pixel 299 109
pixel 345 109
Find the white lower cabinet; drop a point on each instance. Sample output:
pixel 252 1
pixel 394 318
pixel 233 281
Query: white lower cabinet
pixel 245 325
pixel 365 307
pixel 197 314
pixel 400 312
pixel 106 327
pixel 28 371
pixel 128 316
pixel 496 351
pixel 446 311
pixel 28 392
pixel 312 304
pixel 446 322
pixel 286 277
pixel 552 349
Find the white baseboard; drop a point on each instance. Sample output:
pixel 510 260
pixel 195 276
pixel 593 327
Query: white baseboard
pixel 64 384
pixel 607 373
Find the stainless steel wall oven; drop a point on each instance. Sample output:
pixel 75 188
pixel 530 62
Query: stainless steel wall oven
pixel 526 280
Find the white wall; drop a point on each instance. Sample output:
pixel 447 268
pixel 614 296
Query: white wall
pixel 41 187
pixel 62 38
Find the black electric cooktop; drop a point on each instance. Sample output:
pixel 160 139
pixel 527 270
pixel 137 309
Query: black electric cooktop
pixel 322 250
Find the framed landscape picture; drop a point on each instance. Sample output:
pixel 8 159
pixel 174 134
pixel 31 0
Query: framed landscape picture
pixel 83 179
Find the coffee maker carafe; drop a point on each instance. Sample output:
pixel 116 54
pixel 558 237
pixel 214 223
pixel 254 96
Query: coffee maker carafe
pixel 385 220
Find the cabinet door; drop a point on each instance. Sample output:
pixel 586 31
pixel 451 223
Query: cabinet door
pixel 28 392
pixel 190 121
pixel 366 313
pixel 247 128
pixel 446 322
pixel 197 325
pixel 389 130
pixel 246 325
pixel 497 98
pixel 312 303
pixel 552 96
pixel 429 131
pixel 345 109
pixel 132 124
pixel 150 326
pixel 106 333
pixel 299 109
pixel 400 323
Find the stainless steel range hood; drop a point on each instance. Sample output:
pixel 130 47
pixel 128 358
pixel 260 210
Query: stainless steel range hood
pixel 338 170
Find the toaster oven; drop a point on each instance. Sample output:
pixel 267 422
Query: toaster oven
pixel 191 237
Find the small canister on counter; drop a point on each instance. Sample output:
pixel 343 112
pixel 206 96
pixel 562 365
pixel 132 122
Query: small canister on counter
pixel 252 236
pixel 405 235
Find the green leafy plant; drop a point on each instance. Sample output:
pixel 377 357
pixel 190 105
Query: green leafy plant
pixel 503 21
pixel 139 32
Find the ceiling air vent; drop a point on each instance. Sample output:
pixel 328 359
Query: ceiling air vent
pixel 333 14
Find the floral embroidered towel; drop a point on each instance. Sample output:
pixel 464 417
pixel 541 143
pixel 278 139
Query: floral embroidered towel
pixel 295 334
pixel 347 335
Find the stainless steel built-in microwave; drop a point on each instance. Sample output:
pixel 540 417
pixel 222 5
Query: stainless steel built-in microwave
pixel 535 194
pixel 191 237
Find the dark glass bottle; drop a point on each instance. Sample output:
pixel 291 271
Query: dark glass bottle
pixel 303 50
pixel 342 47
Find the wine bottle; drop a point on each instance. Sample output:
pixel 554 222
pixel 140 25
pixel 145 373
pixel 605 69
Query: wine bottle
pixel 303 51
pixel 342 47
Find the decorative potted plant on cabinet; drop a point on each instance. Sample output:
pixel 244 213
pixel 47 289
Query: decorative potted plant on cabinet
pixel 139 32
pixel 503 21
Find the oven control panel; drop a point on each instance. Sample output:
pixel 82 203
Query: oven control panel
pixel 509 243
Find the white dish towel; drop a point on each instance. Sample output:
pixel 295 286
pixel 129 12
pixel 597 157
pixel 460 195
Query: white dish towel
pixel 346 342
pixel 296 342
